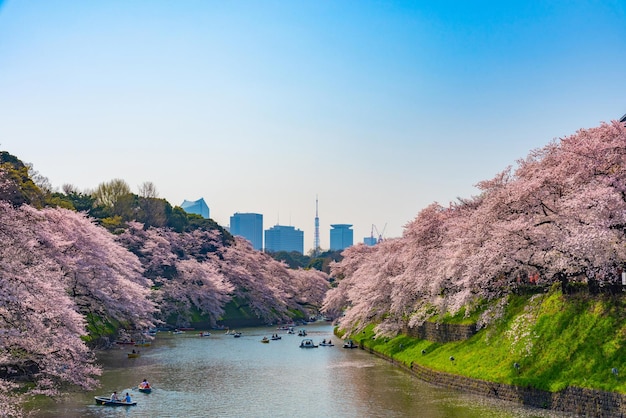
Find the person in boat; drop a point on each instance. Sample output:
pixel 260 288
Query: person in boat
pixel 324 341
pixel 114 397
pixel 144 385
pixel 127 398
pixel 329 342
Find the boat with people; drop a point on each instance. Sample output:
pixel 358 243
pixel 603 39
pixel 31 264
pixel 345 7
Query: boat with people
pixel 350 344
pixel 276 337
pixel 105 400
pixel 144 387
pixel 204 334
pixel 133 354
pixel 307 343
pixel 325 343
pixel 265 340
pixel 302 333
pixel 237 334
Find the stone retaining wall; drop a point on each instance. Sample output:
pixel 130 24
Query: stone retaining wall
pixel 582 402
pixel 441 333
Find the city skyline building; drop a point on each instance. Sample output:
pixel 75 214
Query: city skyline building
pixel 248 226
pixel 370 241
pixel 199 207
pixel 284 238
pixel 341 236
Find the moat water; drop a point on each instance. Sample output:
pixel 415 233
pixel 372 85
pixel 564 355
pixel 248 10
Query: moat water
pixel 223 376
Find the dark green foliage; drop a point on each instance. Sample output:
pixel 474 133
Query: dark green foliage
pixel 296 260
pixel 20 188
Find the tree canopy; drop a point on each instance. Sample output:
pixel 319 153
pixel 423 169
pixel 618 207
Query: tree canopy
pixel 558 217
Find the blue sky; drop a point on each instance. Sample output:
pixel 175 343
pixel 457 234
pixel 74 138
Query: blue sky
pixel 377 107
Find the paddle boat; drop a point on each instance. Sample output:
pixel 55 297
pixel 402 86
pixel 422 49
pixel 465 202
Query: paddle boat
pixel 265 340
pixel 302 333
pixel 325 343
pixel 105 400
pixel 307 343
pixel 237 334
pixel 276 337
pixel 204 334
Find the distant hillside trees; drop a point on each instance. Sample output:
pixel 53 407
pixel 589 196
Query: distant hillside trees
pixel 559 217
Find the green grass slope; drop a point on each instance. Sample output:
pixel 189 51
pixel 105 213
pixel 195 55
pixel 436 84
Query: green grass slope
pixel 548 341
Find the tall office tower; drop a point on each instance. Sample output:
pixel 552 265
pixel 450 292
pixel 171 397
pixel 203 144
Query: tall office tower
pixel 199 207
pixel 249 226
pixel 284 238
pixel 341 236
pixel 316 240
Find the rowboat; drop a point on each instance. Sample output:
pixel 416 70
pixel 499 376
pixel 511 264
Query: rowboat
pixel 307 343
pixel 103 400
pixel 133 355
pixel 144 390
pixel 350 344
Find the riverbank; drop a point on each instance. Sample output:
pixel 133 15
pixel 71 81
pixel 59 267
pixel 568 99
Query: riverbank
pixel 549 351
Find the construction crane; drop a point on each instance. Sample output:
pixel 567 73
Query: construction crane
pixel 378 234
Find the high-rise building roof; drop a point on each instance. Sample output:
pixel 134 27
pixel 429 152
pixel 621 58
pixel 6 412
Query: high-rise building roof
pixel 199 207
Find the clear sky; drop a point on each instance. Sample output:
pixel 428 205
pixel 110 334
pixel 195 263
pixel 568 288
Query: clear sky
pixel 377 107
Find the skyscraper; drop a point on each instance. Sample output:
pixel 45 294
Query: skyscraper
pixel 284 238
pixel 199 207
pixel 249 226
pixel 341 236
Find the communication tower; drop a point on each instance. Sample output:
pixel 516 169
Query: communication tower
pixel 316 239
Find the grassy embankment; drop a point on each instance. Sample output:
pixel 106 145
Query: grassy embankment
pixel 557 341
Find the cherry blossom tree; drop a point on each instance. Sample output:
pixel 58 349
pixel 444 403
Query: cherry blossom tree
pixel 560 215
pixel 100 275
pixel 203 271
pixel 40 328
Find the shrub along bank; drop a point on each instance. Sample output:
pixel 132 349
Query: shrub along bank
pixel 547 341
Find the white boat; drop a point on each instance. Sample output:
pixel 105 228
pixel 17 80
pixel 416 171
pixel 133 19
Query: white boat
pixel 307 343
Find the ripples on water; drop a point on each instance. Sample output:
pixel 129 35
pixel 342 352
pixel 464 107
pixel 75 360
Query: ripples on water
pixel 222 376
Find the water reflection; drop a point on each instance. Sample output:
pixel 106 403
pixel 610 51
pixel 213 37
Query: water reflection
pixel 222 376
